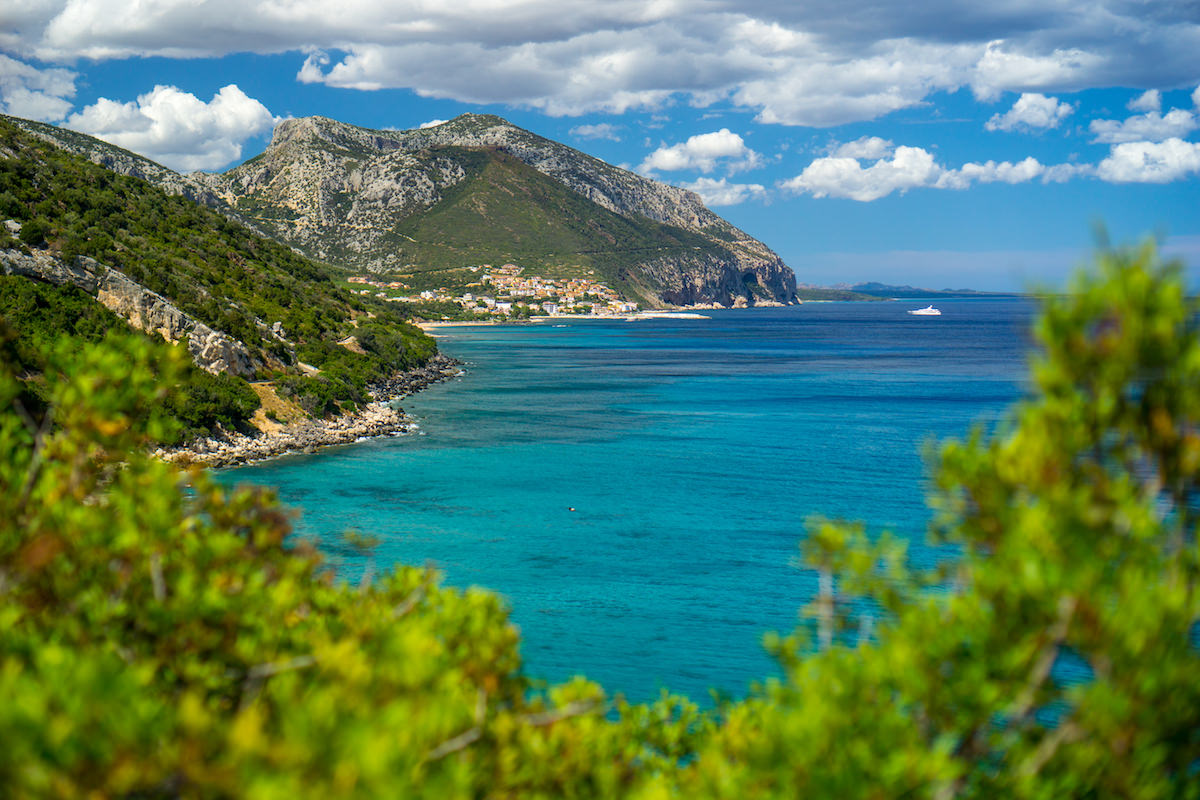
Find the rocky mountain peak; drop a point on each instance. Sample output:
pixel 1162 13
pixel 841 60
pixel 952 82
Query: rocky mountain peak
pixel 298 129
pixel 475 122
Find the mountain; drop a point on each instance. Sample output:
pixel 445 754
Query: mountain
pixel 424 205
pixel 478 190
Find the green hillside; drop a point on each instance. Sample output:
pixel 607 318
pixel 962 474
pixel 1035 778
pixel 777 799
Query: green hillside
pixel 358 199
pixel 208 266
pixel 506 210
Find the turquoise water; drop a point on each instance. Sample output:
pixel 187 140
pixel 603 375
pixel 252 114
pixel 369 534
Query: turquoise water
pixel 637 490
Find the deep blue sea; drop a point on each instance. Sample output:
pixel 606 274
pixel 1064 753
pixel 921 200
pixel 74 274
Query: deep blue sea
pixel 637 490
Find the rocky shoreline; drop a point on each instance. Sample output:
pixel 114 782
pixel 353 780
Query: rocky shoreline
pixel 377 418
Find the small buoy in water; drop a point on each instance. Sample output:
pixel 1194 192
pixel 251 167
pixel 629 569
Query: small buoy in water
pixel 572 508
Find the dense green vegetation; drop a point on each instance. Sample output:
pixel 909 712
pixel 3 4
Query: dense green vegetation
pixel 210 267
pixel 158 640
pixel 43 317
pixel 386 346
pixel 346 374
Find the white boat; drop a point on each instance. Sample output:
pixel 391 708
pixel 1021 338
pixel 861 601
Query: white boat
pixel 927 311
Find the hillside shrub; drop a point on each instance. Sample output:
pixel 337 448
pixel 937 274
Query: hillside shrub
pixel 35 231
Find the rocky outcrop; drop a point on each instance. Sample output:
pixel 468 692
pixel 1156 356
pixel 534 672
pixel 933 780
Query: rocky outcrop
pixel 439 368
pixel 143 309
pixel 228 448
pixel 710 280
pixel 378 418
pixel 613 188
pixel 331 205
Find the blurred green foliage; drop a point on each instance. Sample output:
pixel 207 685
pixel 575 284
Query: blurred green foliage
pixel 1076 528
pixel 158 639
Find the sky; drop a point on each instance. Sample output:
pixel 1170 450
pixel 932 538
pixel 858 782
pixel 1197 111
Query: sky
pixel 943 144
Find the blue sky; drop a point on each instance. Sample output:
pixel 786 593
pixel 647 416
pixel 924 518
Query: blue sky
pixel 942 146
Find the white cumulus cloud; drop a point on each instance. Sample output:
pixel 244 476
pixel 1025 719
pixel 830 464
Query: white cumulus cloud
pixel 603 130
pixel 176 128
pixel 836 176
pixel 813 63
pixel 912 168
pixel 823 88
pixel 1012 64
pixel 1152 126
pixel 702 152
pixel 1150 162
pixel 1149 100
pixel 871 147
pixel 990 172
pixel 723 193
pixel 433 123
pixel 41 94
pixel 1031 111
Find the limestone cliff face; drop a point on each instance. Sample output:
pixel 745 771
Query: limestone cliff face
pixel 137 305
pixel 337 191
pixel 328 202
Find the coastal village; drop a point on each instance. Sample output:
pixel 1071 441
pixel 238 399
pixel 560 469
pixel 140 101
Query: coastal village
pixel 507 292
